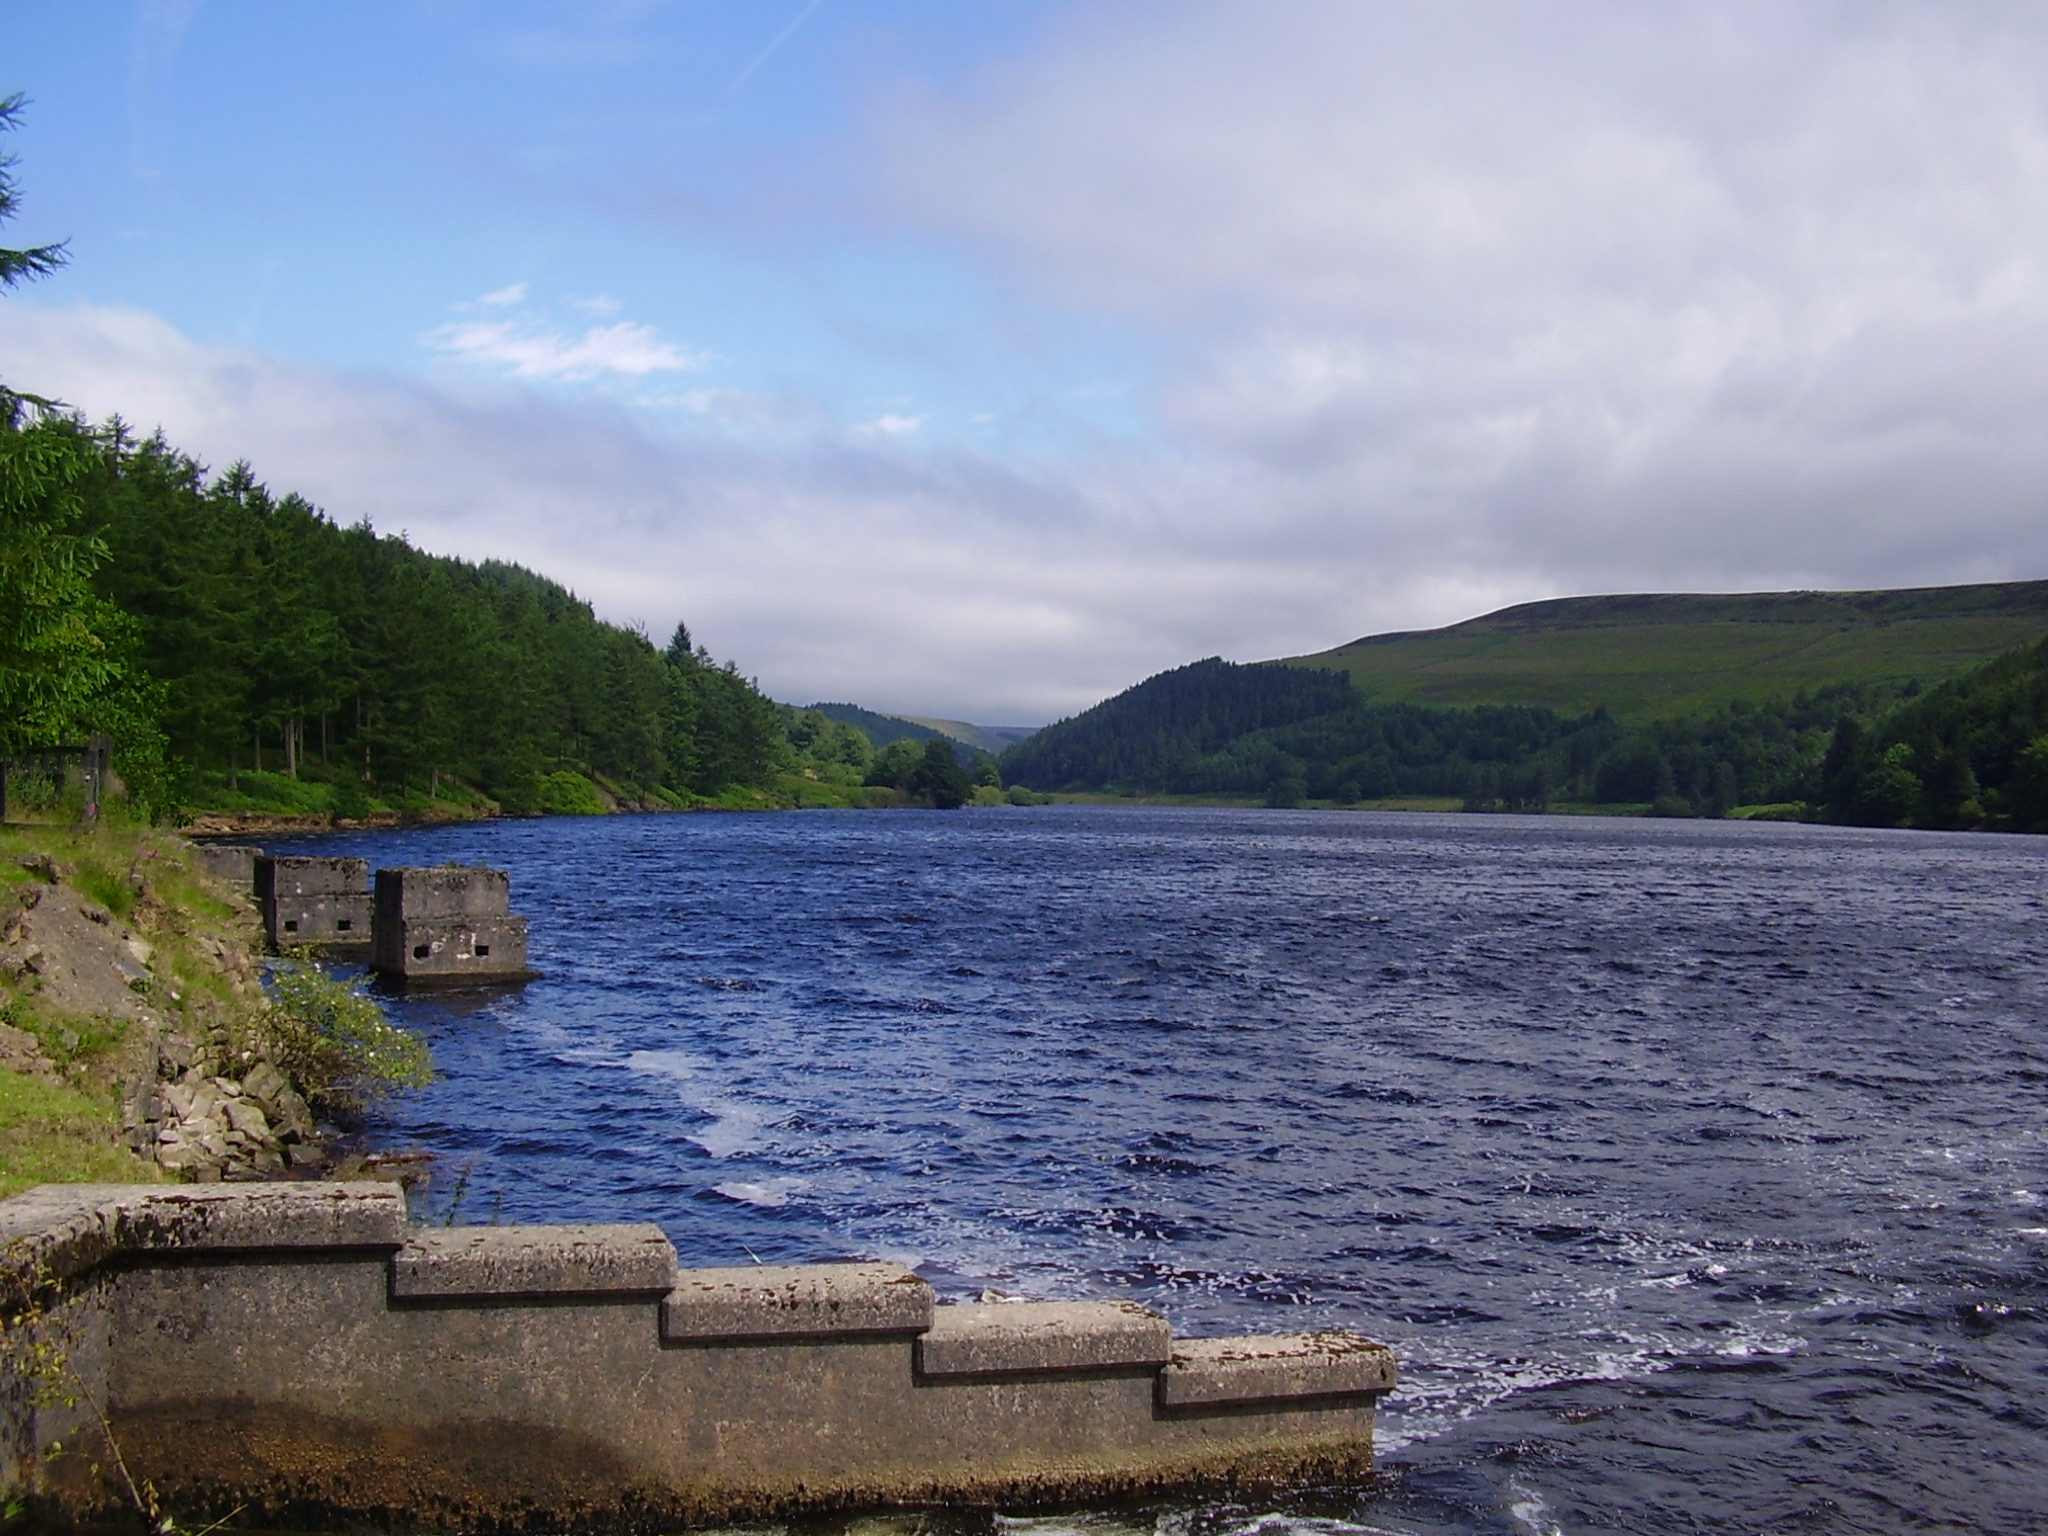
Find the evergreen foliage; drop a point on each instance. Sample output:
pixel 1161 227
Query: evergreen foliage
pixel 202 623
pixel 136 590
pixel 880 730
pixel 1154 735
pixel 25 264
pixel 938 780
pixel 69 659
pixel 1970 752
pixel 1213 729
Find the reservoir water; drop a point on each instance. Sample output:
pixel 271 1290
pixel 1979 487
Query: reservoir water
pixel 1698 1171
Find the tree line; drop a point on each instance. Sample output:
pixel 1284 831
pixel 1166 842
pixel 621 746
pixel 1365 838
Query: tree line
pixel 1972 751
pixel 220 632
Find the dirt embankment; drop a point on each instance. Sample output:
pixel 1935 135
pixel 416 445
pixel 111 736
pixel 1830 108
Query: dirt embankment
pixel 256 823
pixel 130 978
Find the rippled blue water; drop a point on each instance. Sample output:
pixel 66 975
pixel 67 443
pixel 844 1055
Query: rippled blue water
pixel 1696 1170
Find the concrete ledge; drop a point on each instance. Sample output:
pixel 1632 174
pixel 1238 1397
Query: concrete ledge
pixel 1253 1370
pixel 534 1261
pixel 67 1227
pixel 293 1354
pixel 1005 1338
pixel 767 1301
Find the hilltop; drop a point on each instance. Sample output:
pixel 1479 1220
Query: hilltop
pixel 1650 655
pixel 1796 703
pixel 992 739
pixel 881 729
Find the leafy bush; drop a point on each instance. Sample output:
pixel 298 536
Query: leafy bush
pixel 570 794
pixel 336 1042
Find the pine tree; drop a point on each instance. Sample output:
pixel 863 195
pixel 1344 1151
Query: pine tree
pixel 19 266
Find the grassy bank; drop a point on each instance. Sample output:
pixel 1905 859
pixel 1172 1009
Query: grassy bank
pixel 121 965
pixel 70 1038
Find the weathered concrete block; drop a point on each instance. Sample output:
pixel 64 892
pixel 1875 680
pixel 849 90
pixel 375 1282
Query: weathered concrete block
pixel 447 924
pixel 451 949
pixel 1203 1372
pixel 534 1261
pixel 1006 1337
pixel 444 890
pixel 802 1300
pixel 232 864
pixel 69 1227
pixel 307 900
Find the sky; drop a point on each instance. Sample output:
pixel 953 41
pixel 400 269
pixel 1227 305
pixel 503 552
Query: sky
pixel 980 359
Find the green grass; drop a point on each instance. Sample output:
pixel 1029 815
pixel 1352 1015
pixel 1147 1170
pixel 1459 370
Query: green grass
pixel 56 1135
pixel 1672 654
pixel 271 792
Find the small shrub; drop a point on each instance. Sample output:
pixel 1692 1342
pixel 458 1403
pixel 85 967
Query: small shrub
pixel 336 1041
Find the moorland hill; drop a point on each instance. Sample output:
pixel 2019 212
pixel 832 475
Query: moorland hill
pixel 1651 655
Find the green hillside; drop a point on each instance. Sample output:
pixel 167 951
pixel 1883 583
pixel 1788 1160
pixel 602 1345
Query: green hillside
pixel 992 739
pixel 1668 654
pixel 881 729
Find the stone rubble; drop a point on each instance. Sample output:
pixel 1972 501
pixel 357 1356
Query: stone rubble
pixel 209 1126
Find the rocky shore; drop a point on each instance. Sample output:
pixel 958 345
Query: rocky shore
pixel 128 975
pixel 209 1125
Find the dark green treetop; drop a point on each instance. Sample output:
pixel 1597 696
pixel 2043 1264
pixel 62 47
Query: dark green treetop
pixel 18 266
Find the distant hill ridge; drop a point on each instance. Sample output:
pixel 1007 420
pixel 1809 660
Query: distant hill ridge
pixel 881 729
pixel 1661 654
pixel 1682 704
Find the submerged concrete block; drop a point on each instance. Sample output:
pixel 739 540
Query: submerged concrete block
pixel 451 949
pixel 1009 1337
pixel 795 1301
pixel 320 901
pixel 447 924
pixel 534 1261
pixel 1204 1372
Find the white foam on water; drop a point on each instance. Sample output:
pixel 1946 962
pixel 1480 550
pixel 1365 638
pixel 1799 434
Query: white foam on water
pixel 1530 1512
pixel 769 1194
pixel 1078 1523
pixel 735 1127
pixel 1436 1397
pixel 1271 1523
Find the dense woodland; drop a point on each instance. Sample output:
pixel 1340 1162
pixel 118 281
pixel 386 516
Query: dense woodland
pixel 1971 752
pixel 226 636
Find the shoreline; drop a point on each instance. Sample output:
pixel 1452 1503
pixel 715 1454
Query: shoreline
pixel 209 825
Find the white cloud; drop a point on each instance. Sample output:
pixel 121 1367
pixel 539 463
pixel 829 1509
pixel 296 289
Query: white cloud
pixel 528 352
pixel 939 584
pixel 1491 297
pixel 1447 306
pixel 891 425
